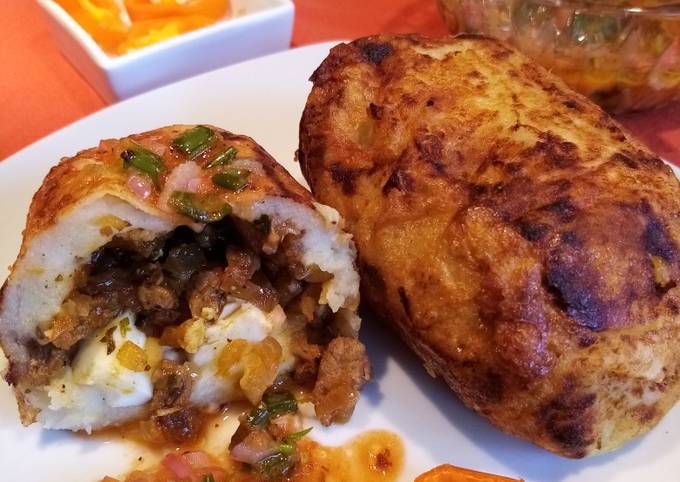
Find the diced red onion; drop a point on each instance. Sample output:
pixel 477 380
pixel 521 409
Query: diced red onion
pixel 179 180
pixel 155 144
pixel 177 465
pixel 140 185
pixel 197 460
pixel 255 447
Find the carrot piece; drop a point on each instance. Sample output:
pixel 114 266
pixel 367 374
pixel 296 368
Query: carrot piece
pixel 450 473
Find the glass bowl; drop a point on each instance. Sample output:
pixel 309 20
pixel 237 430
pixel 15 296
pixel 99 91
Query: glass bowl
pixel 625 55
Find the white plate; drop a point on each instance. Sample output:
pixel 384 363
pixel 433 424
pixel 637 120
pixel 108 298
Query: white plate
pixel 264 99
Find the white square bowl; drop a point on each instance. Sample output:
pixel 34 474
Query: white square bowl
pixel 256 27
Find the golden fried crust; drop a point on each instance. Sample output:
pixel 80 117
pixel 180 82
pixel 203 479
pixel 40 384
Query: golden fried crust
pixel 523 244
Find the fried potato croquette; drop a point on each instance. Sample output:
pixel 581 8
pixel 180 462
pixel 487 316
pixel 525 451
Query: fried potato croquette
pixel 169 272
pixel 521 242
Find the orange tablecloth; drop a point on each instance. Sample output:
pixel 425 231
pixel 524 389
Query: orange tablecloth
pixel 40 91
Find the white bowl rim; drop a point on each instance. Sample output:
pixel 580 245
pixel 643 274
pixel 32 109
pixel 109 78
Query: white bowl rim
pixel 108 62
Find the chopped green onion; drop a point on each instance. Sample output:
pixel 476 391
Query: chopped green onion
pixel 204 210
pixel 274 467
pixel 144 160
pixel 232 179
pixel 194 142
pixel 224 158
pixel 208 478
pixel 286 449
pixel 278 403
pixel 258 416
pixel 287 446
pixel 292 438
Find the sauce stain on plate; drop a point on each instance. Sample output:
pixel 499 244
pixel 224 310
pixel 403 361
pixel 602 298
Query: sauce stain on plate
pixel 374 456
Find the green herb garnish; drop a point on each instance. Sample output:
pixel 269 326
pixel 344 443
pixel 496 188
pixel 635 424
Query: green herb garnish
pixel 194 142
pixel 273 405
pixel 107 339
pixel 278 403
pixel 276 466
pixel 208 478
pixel 295 437
pixel 204 210
pixel 286 449
pixel 258 416
pixel 145 161
pixel 223 158
pixel 232 179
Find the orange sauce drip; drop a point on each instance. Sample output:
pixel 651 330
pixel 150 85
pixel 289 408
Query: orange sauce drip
pixel 216 427
pixel 374 456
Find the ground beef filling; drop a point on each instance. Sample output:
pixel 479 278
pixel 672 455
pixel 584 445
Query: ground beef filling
pixel 185 275
pixel 177 277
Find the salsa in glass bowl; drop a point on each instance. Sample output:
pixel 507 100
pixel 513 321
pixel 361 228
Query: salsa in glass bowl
pixel 623 54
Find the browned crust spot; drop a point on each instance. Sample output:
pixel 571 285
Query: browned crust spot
pixel 568 419
pixel 376 52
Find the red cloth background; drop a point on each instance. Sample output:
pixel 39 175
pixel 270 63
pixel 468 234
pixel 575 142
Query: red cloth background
pixel 40 92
